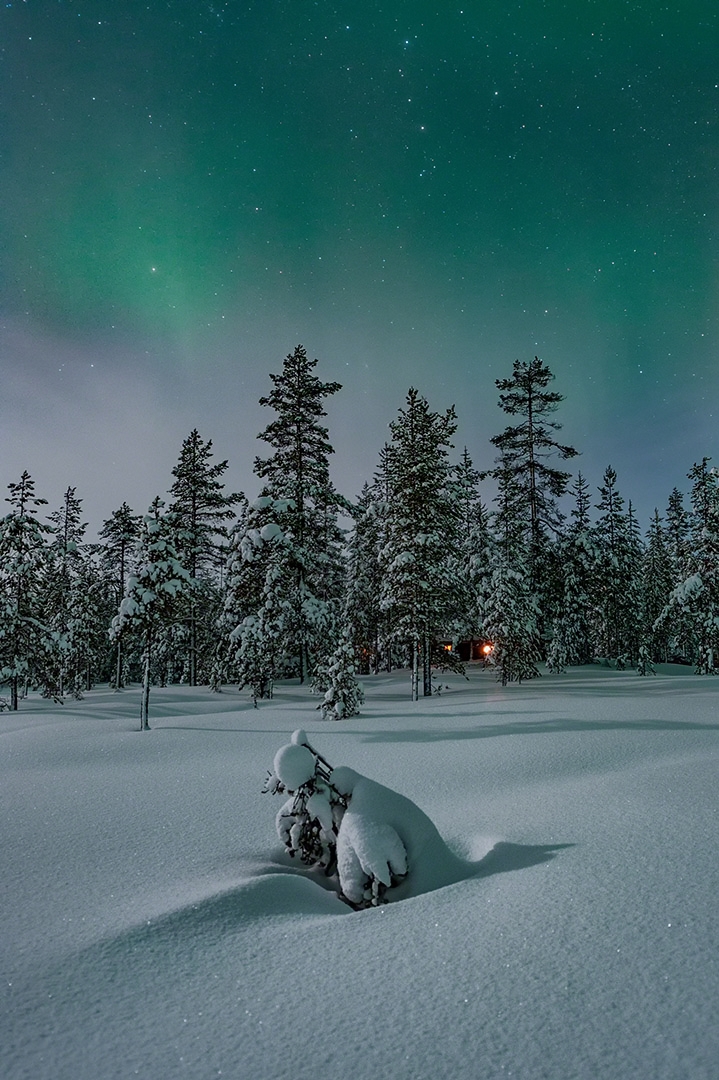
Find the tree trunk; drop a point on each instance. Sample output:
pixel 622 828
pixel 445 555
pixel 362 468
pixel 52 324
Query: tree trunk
pixel 427 665
pixel 13 693
pixel 118 666
pixel 145 699
pixel 193 646
pixel 415 671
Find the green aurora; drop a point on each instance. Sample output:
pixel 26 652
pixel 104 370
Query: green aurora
pixel 418 192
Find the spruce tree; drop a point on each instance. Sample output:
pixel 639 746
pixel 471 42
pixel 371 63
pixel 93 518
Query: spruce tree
pixel 258 600
pixel 657 585
pixel 473 553
pixel 65 566
pixel 419 588
pixel 344 694
pixel 151 597
pixel 691 617
pixel 572 623
pixel 89 613
pixel 511 612
pixel 293 574
pixel 362 615
pixel 200 510
pixel 25 638
pixel 634 597
pixel 677 536
pixel 616 575
pixel 705 561
pixel 119 535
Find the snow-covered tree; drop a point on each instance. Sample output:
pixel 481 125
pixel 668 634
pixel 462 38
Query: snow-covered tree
pixel 292 581
pixel 571 641
pixel 511 611
pixel 25 639
pixel 645 663
pixel 419 588
pixel 89 612
pixel 634 598
pixel 152 593
pixel 259 586
pixel 362 615
pixel 343 694
pixel 691 617
pixel 200 510
pixel 472 556
pixel 656 587
pixel 371 842
pixel 309 821
pixel 616 576
pixel 118 535
pixel 525 449
pixel 66 564
pixel 678 539
pixel 510 623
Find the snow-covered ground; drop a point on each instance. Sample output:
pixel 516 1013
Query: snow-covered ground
pixel 152 925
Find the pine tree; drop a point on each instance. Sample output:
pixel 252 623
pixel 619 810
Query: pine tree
pixel 200 510
pixel 419 590
pixel 25 639
pixel 525 448
pixel 119 533
pixel 152 593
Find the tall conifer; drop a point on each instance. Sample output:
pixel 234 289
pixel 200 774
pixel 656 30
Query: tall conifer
pixel 200 510
pixel 118 535
pixel 152 594
pixel 526 447
pixel 25 639
pixel 419 588
pixel 291 550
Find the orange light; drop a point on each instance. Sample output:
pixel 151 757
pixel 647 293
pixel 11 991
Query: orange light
pixel 486 649
pixel 447 648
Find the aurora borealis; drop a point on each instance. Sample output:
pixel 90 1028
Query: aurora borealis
pixel 418 192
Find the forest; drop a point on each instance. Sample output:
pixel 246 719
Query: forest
pixel 213 587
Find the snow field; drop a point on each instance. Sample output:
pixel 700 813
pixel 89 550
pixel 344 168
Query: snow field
pixel 154 927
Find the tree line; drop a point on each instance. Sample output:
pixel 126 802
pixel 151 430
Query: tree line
pixel 213 588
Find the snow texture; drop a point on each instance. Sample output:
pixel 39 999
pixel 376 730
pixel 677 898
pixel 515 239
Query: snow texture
pixel 153 925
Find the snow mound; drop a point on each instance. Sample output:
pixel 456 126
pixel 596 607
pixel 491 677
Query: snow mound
pixel 376 818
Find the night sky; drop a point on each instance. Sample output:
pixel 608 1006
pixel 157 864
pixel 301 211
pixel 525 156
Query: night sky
pixel 419 193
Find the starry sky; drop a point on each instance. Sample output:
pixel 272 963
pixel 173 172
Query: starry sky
pixel 420 193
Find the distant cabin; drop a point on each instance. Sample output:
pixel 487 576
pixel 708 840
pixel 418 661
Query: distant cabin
pixel 474 649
